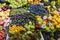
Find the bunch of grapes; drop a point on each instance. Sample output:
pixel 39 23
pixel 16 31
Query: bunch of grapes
pixel 1 5
pixel 21 19
pixel 57 34
pixel 18 10
pixel 38 9
pixel 17 3
pixel 30 27
pixel 46 35
pixel 58 2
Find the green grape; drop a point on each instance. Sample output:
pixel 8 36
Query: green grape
pixel 17 3
pixel 53 3
pixel 1 5
pixel 46 0
pixel 58 2
pixel 30 23
pixel 29 32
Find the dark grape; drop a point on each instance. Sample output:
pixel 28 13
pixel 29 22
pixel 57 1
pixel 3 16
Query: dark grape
pixel 21 19
pixel 46 3
pixel 46 35
pixel 38 9
pixel 57 34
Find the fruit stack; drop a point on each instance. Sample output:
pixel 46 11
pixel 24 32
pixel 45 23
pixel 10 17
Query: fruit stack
pixel 37 7
pixel 4 13
pixel 17 3
pixel 4 21
pixel 33 24
pixel 50 21
pixel 2 35
pixel 34 1
pixel 28 25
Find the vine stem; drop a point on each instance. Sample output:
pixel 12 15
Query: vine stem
pixel 42 38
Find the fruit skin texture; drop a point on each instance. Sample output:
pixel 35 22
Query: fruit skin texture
pixel 34 1
pixel 52 28
pixel 58 26
pixel 39 19
pixel 47 28
pixel 2 34
pixel 30 26
pixel 38 9
pixel 15 29
pixel 4 23
pixel 4 14
pixel 17 3
pixel 4 19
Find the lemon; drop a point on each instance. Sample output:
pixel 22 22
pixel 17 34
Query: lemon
pixel 55 16
pixel 1 14
pixel 55 23
pixel 58 20
pixel 44 22
pixel 47 28
pixel 15 29
pixel 53 20
pixel 57 26
pixel 3 18
pixel 46 0
pixel 52 27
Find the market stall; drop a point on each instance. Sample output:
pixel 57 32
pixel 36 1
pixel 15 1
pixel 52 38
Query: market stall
pixel 29 20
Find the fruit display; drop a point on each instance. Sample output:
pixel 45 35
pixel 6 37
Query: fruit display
pixel 4 19
pixel 39 23
pixel 21 19
pixel 29 20
pixel 25 32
